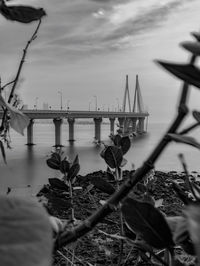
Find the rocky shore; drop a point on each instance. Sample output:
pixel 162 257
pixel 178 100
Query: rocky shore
pixel 87 199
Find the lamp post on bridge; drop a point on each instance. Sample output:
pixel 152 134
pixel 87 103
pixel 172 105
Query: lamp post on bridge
pixel 61 107
pixel 89 105
pixel 117 104
pixel 68 104
pixel 95 102
pixel 36 101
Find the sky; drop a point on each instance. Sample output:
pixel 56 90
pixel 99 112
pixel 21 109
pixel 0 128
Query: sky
pixel 85 48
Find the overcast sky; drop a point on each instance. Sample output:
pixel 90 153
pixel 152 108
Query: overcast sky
pixel 86 47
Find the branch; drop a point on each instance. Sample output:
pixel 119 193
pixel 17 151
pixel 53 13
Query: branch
pixel 112 203
pixel 33 37
pixel 7 84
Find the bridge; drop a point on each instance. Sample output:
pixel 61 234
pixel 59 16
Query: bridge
pixel 131 121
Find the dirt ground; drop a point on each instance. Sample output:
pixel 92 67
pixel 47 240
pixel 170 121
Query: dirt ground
pixel 99 247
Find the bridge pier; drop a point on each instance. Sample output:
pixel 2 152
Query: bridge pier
pixel 134 121
pixel 30 133
pixel 112 125
pixel 97 122
pixel 141 125
pixel 57 122
pixel 121 121
pixel 71 128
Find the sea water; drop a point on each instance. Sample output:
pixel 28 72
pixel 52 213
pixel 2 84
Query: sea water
pixel 26 166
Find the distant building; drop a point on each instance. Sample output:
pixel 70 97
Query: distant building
pixel 45 106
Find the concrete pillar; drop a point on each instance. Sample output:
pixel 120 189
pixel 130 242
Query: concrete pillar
pixel 112 125
pixel 97 122
pixel 71 128
pixel 134 121
pixel 57 123
pixel 30 133
pixel 121 121
pixel 141 125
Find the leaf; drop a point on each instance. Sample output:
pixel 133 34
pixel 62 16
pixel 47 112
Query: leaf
pixel 52 163
pixel 116 140
pixel 192 213
pixel 196 35
pixel 113 156
pixel 3 151
pixel 186 72
pixel 196 115
pixel 18 120
pixel 181 234
pixel 56 157
pixel 57 183
pixel 110 175
pixel 73 171
pixel 184 139
pixel 193 47
pixel 24 14
pixel 143 218
pixel 76 160
pixel 64 166
pixel 26 233
pixel 125 144
pixel 102 185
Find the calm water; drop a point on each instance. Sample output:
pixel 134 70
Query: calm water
pixel 27 165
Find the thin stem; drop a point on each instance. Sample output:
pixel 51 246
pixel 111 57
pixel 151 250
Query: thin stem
pixel 72 201
pixel 33 37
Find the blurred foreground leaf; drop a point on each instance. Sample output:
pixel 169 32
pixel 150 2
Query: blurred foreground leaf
pixel 184 139
pixel 193 47
pixel 26 233
pixel 186 72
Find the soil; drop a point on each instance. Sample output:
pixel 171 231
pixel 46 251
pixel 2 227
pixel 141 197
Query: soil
pixel 99 247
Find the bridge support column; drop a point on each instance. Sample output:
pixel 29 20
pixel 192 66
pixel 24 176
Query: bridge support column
pixel 121 121
pixel 141 125
pixel 30 133
pixel 134 121
pixel 112 125
pixel 97 122
pixel 57 123
pixel 71 128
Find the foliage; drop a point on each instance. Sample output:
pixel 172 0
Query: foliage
pixel 153 235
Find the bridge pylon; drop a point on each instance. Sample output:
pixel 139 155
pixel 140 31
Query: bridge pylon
pixel 138 105
pixel 126 96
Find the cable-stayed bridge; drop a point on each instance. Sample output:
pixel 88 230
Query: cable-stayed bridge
pixel 129 120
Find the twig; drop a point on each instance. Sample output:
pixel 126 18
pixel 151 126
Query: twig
pixel 113 201
pixel 7 84
pixel 33 37
pixel 188 129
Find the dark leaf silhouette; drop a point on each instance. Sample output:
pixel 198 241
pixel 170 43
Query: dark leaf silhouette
pixel 57 183
pixel 64 166
pixel 73 171
pixel 76 160
pixel 186 72
pixel 102 185
pixel 182 237
pixel 196 115
pixel 125 144
pixel 113 156
pixel 193 47
pixel 184 139
pixel 192 213
pixel 24 14
pixel 144 219
pixel 52 163
pixel 56 157
pixel 26 233
pixel 116 140
pixel 129 233
pixel 196 35
pixel 3 151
